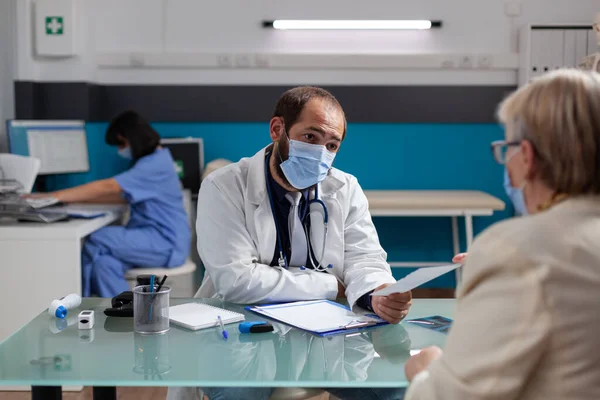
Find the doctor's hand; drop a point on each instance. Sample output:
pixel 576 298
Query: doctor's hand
pixel 419 362
pixel 392 308
pixel 460 258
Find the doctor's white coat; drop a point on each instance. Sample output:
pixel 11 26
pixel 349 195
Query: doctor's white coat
pixel 237 240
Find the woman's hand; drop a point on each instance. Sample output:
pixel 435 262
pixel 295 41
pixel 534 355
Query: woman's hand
pixel 420 362
pixel 37 195
pixel 460 258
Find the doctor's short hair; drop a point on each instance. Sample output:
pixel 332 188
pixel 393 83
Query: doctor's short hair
pixel 142 138
pixel 559 113
pixel 292 102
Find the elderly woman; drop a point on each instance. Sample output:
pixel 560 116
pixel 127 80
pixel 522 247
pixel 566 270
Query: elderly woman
pixel 527 323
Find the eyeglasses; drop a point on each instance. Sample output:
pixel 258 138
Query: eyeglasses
pixel 500 149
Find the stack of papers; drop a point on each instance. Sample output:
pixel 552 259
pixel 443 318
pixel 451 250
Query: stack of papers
pixel 10 186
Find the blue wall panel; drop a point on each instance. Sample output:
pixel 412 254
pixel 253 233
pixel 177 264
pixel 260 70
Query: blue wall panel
pixel 381 156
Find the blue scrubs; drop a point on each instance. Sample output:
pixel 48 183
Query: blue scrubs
pixel 157 235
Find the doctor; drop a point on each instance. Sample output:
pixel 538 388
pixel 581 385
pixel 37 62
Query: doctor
pixel 286 226
pixel 259 214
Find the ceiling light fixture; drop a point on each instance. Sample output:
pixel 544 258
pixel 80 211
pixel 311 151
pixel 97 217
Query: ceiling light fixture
pixel 290 24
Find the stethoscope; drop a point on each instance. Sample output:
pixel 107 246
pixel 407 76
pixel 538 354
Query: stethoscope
pixel 283 261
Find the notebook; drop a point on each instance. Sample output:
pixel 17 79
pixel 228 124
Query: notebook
pixel 197 316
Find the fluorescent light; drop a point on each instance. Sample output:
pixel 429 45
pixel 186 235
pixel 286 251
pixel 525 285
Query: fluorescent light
pixel 289 24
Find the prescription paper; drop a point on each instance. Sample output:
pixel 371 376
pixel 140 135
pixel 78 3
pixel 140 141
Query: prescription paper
pixel 416 279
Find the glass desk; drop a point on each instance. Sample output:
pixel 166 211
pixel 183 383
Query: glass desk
pixel 48 353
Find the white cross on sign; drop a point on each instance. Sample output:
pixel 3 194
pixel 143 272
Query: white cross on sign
pixel 178 168
pixel 54 26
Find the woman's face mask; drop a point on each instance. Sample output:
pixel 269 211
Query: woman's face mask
pixel 307 164
pixel 515 193
pixel 125 152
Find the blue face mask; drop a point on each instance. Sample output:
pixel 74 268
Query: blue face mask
pixel 125 152
pixel 307 164
pixel 515 195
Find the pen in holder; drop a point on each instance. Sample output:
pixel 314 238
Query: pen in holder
pixel 151 309
pixel 160 285
pixel 152 278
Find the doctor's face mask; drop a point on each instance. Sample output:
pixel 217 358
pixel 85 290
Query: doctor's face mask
pixel 305 164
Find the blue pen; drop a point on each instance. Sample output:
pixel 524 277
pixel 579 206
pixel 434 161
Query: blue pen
pixel 151 291
pixel 225 334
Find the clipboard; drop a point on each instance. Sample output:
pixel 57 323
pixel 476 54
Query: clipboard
pixel 318 317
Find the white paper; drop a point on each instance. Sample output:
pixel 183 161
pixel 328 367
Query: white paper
pixel 20 168
pixel 416 279
pixel 78 211
pixel 314 316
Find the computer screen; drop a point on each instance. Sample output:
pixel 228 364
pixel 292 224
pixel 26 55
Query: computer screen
pixel 188 155
pixel 61 146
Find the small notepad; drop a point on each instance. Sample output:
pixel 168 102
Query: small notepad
pixel 197 316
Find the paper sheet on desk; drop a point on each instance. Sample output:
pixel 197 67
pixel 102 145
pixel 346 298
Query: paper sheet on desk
pixel 78 211
pixel 416 279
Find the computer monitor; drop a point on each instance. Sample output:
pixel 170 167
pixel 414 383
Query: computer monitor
pixel 61 146
pixel 188 155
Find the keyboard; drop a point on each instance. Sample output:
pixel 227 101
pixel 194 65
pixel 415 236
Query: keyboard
pixel 41 202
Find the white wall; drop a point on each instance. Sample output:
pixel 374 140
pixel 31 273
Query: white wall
pixel 230 26
pixel 7 61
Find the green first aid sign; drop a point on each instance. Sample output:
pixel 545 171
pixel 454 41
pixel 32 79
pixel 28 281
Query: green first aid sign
pixel 54 25
pixel 179 169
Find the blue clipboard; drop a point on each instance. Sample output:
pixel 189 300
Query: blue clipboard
pixel 349 329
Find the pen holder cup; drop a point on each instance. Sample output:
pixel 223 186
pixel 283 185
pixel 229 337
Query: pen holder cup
pixel 150 310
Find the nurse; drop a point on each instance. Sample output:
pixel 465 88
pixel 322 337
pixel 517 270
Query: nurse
pixel 158 232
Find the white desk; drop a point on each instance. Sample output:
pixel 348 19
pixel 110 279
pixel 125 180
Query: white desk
pixel 434 203
pixel 42 262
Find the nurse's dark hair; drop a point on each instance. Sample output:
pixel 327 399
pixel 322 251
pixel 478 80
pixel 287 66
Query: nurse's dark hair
pixel 142 138
pixel 292 102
